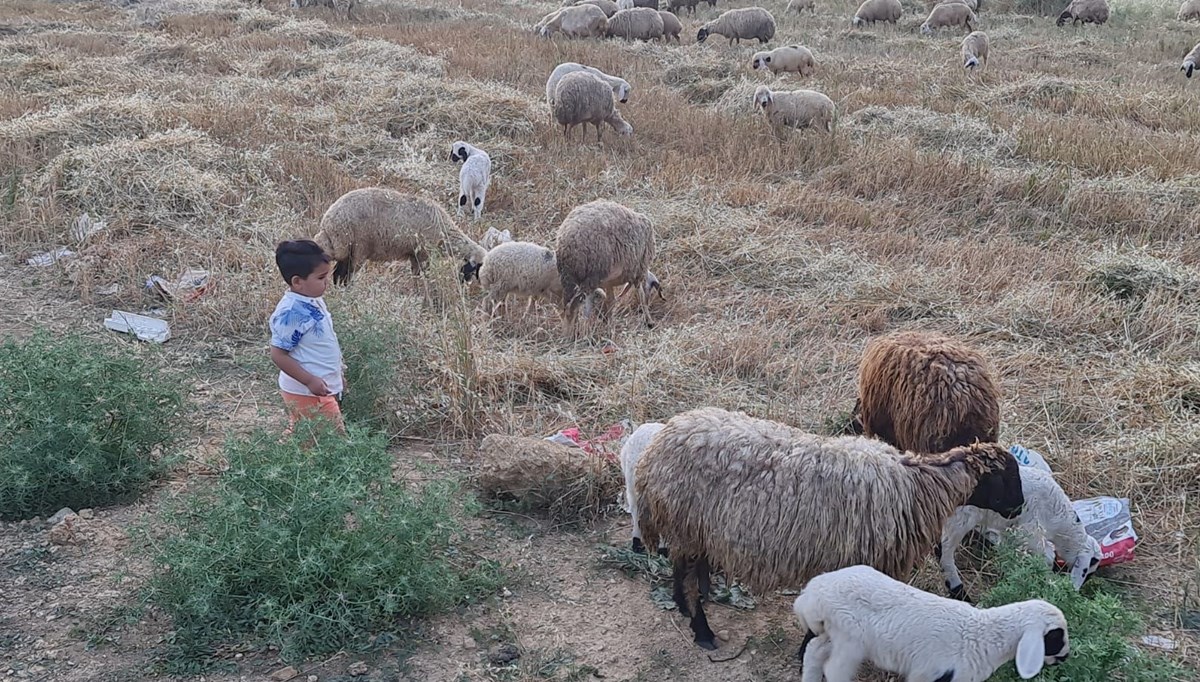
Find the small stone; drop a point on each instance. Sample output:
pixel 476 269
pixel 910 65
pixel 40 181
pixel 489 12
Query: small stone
pixel 469 643
pixel 59 516
pixel 312 678
pixel 87 514
pixel 284 674
pixel 505 593
pixel 238 657
pixel 357 669
pixel 503 654
pixel 723 635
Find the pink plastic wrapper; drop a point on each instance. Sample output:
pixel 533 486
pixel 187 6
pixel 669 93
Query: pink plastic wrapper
pixel 595 446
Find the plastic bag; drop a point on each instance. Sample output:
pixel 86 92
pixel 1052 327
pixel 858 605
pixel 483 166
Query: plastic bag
pixel 1109 521
pixel 1029 458
pixel 617 432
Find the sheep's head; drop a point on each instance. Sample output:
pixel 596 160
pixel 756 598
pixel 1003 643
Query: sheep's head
pixel 702 35
pixel 619 124
pixel 621 91
pixel 856 21
pixel 763 97
pixel 459 151
pixel 469 270
pixel 971 63
pixel 926 30
pixel 760 60
pixel 1187 68
pixel 997 478
pixel 1044 639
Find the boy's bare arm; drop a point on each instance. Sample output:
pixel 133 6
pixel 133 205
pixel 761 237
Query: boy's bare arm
pixel 288 365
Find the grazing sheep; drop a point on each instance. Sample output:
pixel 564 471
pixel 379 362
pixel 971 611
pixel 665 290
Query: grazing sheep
pixel 522 268
pixel 581 98
pixel 772 505
pixel 1086 11
pixel 1190 61
pixel 975 50
pixel 620 87
pixel 672 27
pixel 744 23
pixel 380 224
pixel 647 4
pixel 949 14
pixel 858 614
pixel 969 3
pixel 624 4
pixel 926 393
pixel 601 245
pixel 639 23
pixel 802 5
pixel 631 452
pixel 795 109
pixel 576 21
pixel 474 176
pixel 791 58
pixel 342 8
pixel 872 11
pixel 652 285
pixel 1190 9
pixel 607 6
pixel 690 5
pixel 1048 522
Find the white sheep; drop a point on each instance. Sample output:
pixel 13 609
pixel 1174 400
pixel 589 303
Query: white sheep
pixel 1085 11
pixel 624 4
pixel 969 3
pixel 1190 61
pixel 857 614
pixel 791 58
pixel 872 11
pixel 631 452
pixel 639 23
pixel 672 27
pixel 474 176
pixel 949 14
pixel 1048 523
pixel 795 109
pixel 743 23
pixel 620 87
pixel 523 268
pixel 576 21
pixel 602 245
pixel 975 50
pixel 1190 9
pixel 802 5
pixel 581 98
pixel 607 6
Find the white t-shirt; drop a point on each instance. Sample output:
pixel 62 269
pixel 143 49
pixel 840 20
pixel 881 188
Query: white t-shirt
pixel 303 327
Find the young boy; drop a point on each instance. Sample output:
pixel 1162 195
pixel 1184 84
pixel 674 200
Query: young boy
pixel 303 344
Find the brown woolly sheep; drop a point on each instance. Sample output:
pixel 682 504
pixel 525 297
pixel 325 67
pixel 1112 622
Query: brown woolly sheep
pixel 773 506
pixel 926 393
pixel 1085 11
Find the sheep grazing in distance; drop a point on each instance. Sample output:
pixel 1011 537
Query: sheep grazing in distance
pixel 602 245
pixel 774 506
pixel 576 21
pixel 975 50
pixel 342 8
pixel 949 14
pixel 581 98
pixel 872 11
pixel 620 87
pixel 1085 11
pixel 791 58
pixel 674 5
pixel 926 393
pixel 522 268
pixel 857 614
pixel 380 224
pixel 795 109
pixel 672 27
pixel 969 3
pixel 801 5
pixel 607 6
pixel 639 23
pixel 631 452
pixel 474 176
pixel 1190 9
pixel 1048 523
pixel 744 23
pixel 1190 61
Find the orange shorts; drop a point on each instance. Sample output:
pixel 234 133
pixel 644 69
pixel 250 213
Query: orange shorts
pixel 308 406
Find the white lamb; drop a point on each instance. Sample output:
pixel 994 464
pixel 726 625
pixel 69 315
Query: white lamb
pixel 858 614
pixel 474 176
pixel 631 452
pixel 523 268
pixel 1048 523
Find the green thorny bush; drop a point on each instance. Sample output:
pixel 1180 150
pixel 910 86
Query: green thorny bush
pixel 83 425
pixel 309 544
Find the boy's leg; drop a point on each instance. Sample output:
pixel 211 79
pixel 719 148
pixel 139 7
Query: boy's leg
pixel 309 406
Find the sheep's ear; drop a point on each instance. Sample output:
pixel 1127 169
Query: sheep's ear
pixel 1031 653
pixel 768 59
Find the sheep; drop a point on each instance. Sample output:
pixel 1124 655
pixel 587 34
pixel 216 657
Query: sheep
pixel 1190 9
pixel 802 5
pixel 975 50
pixel 795 109
pixel 1190 61
pixel 576 21
pixel 647 4
pixel 672 27
pixel 872 11
pixel 772 505
pixel 1086 11
pixel 474 176
pixel 600 245
pixel 926 393
pixel 639 23
pixel 744 23
pixel 949 14
pixel 380 224
pixel 1048 522
pixel 607 6
pixel 620 87
pixel 858 614
pixel 624 4
pixel 651 285
pixel 973 4
pixel 690 5
pixel 791 58
pixel 631 452
pixel 582 98
pixel 343 8
pixel 523 268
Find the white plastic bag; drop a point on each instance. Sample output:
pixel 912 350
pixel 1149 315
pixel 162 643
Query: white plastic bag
pixel 1029 458
pixel 1109 521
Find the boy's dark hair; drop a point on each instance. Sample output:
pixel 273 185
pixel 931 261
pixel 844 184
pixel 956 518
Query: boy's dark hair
pixel 298 258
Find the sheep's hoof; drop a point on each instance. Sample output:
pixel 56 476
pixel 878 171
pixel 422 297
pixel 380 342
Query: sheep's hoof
pixel 637 547
pixel 707 644
pixel 959 593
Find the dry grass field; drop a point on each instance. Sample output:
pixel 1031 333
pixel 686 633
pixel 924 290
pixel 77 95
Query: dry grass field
pixel 1046 209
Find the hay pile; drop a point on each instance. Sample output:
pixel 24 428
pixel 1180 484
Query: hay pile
pixel 568 483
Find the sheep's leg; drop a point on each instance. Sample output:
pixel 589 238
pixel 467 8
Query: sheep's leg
pixel 815 651
pixel 703 577
pixel 679 579
pixel 702 633
pixel 462 201
pixel 945 551
pixel 842 662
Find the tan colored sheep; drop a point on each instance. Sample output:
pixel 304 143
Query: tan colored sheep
pixel 602 245
pixel 1190 61
pixel 1189 10
pixel 583 97
pixel 380 224
pixel 1085 11
pixel 672 27
pixel 523 268
pixel 949 14
pixel 872 11
pixel 639 23
pixel 975 50
pixel 744 23
pixel 607 6
pixel 577 21
pixel 801 5
pixel 796 109
pixel 792 58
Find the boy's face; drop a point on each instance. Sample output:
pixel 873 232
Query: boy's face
pixel 314 285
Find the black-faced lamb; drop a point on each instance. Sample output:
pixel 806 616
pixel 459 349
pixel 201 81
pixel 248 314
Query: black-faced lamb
pixel 949 14
pixel 792 58
pixel 975 50
pixel 582 98
pixel 380 224
pixel 872 11
pixel 1085 11
pixel 1189 10
pixel 639 23
pixel 1047 522
pixel 773 506
pixel 672 27
pixel 1190 61
pixel 523 268
pixel 795 109
pixel 858 614
pixel 924 392
pixel 576 21
pixel 743 23
pixel 473 178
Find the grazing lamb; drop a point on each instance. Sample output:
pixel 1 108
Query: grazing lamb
pixel 639 23
pixel 1190 61
pixel 926 393
pixel 949 14
pixel 1048 522
pixel 858 614
pixel 690 5
pixel 342 8
pixel 379 224
pixel 744 23
pixel 1190 9
pixel 620 87
pixel 975 50
pixel 602 245
pixel 795 109
pixel 522 268
pixel 576 21
pixel 631 452
pixel 872 11
pixel 474 176
pixel 1086 11
pixel 672 27
pixel 583 98
pixel 607 6
pixel 791 58
pixel 773 506
pixel 802 5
